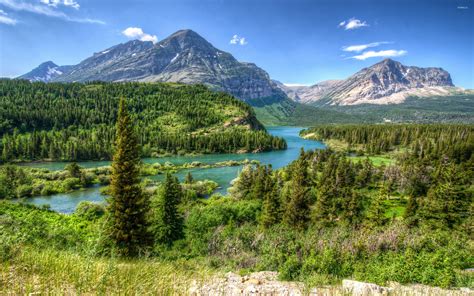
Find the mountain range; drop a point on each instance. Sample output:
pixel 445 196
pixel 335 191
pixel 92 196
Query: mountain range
pixel 183 57
pixel 186 57
pixel 387 82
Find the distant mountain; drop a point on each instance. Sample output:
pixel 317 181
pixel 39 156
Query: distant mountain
pixel 45 72
pixel 183 57
pixel 387 82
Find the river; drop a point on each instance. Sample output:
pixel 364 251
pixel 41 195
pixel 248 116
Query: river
pixel 67 202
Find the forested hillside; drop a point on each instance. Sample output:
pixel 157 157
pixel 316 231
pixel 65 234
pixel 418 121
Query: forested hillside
pixel 74 121
pixel 455 141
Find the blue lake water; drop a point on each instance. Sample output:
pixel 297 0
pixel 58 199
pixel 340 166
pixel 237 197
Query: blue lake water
pixel 67 202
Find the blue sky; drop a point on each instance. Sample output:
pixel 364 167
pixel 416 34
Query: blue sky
pixel 295 41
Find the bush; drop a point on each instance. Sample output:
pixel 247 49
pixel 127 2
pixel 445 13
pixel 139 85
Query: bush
pixel 89 210
pixel 291 269
pixel 24 190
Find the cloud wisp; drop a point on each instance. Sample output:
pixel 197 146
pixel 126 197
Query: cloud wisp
pixel 236 39
pixel 380 53
pixel 137 33
pixel 362 47
pixel 5 19
pixel 352 24
pixel 67 3
pixel 47 10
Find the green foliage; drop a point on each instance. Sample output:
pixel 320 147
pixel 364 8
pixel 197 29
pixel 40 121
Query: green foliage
pixel 348 228
pixel 74 170
pixel 423 141
pixel 205 219
pixel 73 121
pixel 376 210
pixel 297 204
pixel 167 221
pixel 128 206
pixel 89 210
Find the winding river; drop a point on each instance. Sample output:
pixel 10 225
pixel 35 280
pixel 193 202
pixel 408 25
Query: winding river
pixel 67 202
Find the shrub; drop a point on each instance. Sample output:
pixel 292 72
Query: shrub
pixel 89 210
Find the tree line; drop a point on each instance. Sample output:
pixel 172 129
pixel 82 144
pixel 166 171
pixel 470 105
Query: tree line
pixel 426 141
pixel 74 121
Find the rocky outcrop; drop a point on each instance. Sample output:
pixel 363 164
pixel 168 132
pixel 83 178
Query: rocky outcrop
pixel 266 283
pixel 183 57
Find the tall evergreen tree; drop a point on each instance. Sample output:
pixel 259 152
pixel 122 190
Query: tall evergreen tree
pixel 128 206
pixel 271 208
pixel 324 210
pixel 447 204
pixel 167 222
pixel 376 211
pixel 297 207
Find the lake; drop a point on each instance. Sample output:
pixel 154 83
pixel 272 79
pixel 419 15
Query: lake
pixel 67 202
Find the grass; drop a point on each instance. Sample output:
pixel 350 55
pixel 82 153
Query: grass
pixel 47 272
pixel 395 207
pixel 376 160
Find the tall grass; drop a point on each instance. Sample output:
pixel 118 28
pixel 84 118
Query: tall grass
pixel 50 272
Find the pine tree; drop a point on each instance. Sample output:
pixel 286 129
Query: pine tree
pixel 324 212
pixel 411 211
pixel 241 187
pixel 297 207
pixel 446 204
pixel 351 207
pixel 376 211
pixel 128 206
pixel 271 208
pixel 167 222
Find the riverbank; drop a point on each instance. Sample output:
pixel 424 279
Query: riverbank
pixel 25 182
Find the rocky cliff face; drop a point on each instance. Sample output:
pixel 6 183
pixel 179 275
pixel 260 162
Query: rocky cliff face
pixel 183 57
pixel 383 83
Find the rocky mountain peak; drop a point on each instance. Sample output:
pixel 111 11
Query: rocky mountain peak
pixel 45 72
pixel 184 57
pixel 48 64
pixel 386 82
pixel 186 38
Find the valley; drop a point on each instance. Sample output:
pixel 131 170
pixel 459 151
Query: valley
pixel 238 148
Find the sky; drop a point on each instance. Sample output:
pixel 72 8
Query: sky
pixel 295 41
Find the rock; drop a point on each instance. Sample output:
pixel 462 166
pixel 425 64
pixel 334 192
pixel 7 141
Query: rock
pixel 363 289
pixel 267 283
pixel 253 281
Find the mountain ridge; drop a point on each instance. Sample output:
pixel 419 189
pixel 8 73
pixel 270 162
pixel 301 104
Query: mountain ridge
pixel 183 57
pixel 386 82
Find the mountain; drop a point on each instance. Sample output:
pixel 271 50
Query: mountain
pixel 183 57
pixel 387 82
pixel 45 72
pixel 306 94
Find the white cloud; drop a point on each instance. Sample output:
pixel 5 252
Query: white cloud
pixel 236 39
pixel 381 53
pixel 352 24
pixel 55 3
pixel 361 47
pixel 137 33
pixel 46 10
pixel 5 19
